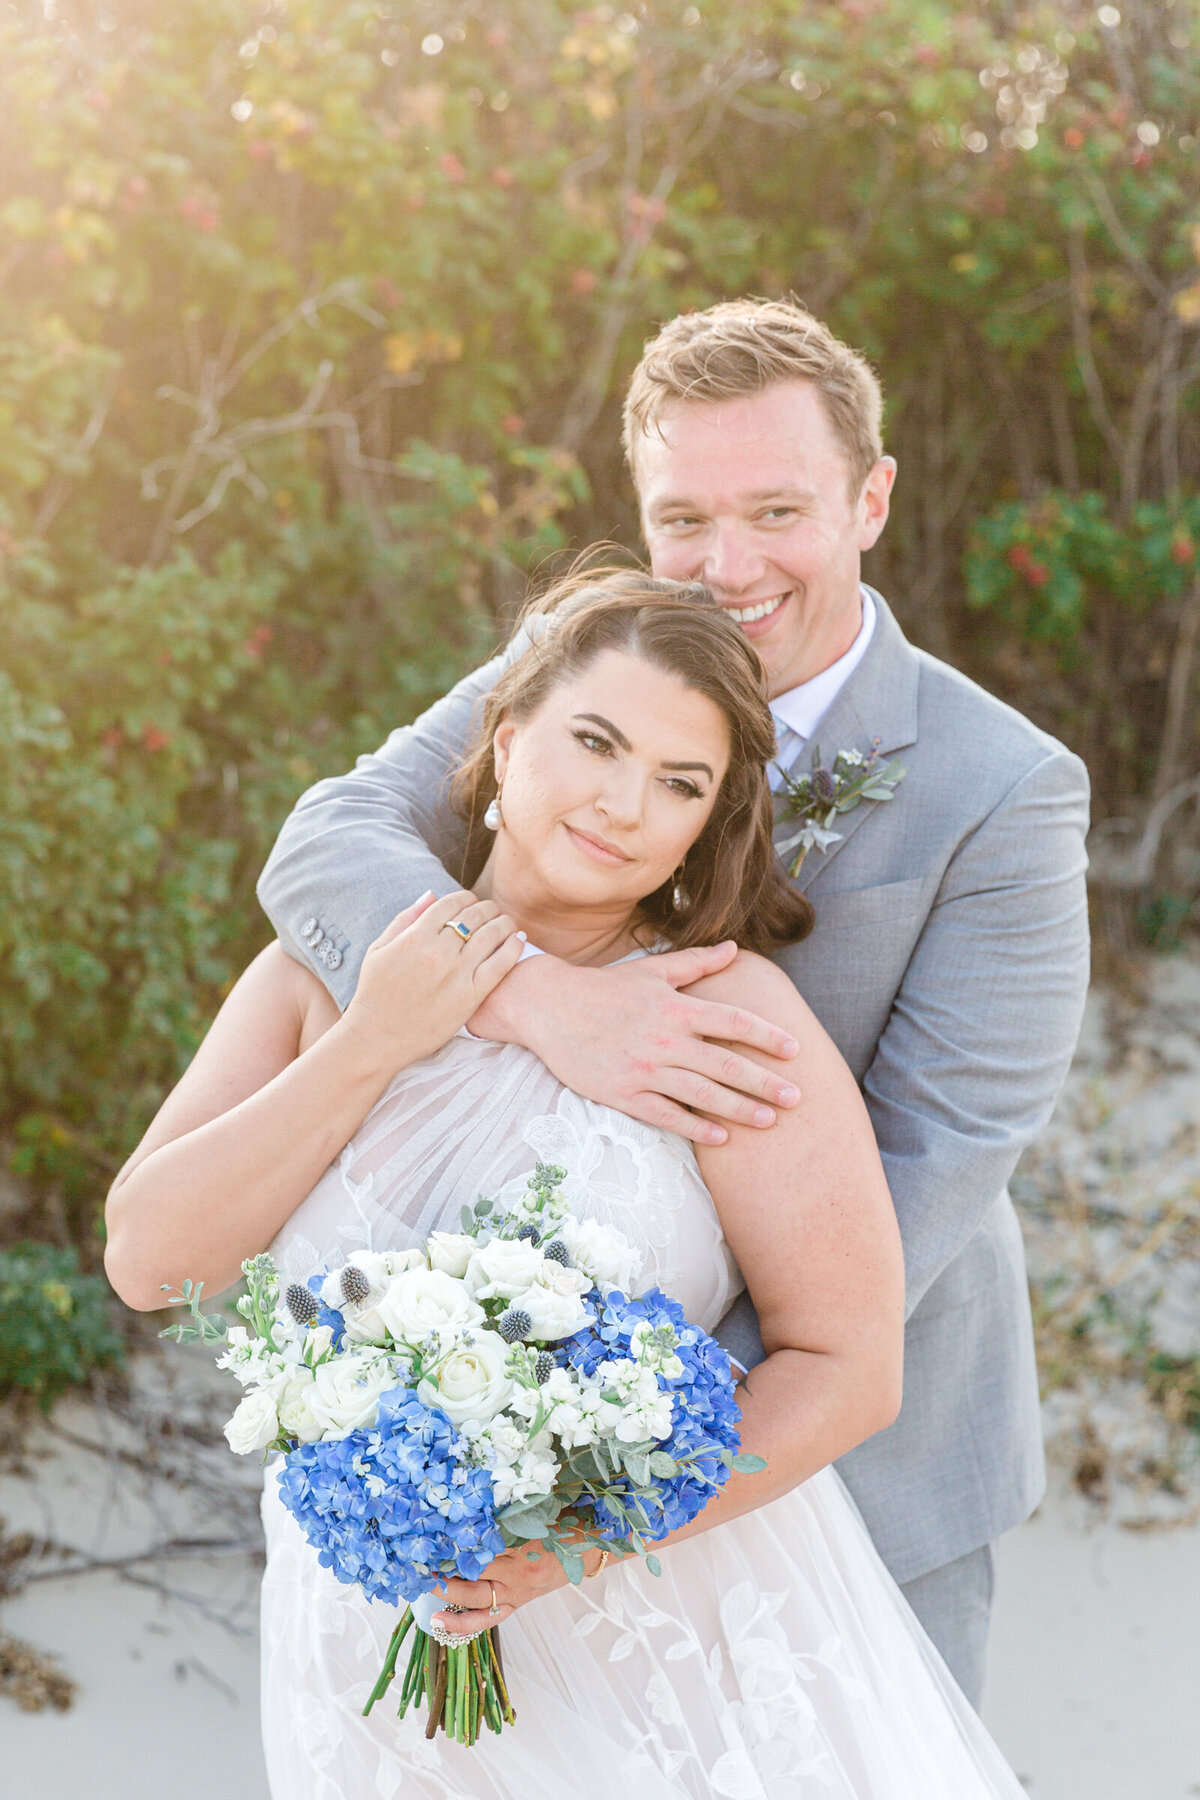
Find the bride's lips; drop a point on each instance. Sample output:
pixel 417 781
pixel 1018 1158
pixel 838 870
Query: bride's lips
pixel 597 848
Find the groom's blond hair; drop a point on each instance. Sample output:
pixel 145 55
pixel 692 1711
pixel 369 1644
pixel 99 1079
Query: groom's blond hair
pixel 743 346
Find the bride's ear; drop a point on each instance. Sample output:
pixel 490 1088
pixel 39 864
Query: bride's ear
pixel 502 739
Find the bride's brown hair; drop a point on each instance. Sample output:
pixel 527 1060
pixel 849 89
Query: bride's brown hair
pixel 735 885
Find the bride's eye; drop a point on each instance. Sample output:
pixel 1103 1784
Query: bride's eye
pixel 687 790
pixel 592 740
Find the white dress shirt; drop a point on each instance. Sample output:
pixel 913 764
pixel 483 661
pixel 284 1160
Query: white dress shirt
pixel 798 712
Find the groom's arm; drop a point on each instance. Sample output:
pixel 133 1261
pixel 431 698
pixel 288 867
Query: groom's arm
pixel 981 1033
pixel 358 847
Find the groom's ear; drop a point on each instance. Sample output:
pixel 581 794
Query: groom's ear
pixel 874 502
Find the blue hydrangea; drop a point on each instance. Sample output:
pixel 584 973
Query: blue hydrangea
pixel 430 1517
pixel 704 1418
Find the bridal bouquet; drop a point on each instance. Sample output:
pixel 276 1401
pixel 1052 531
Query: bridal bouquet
pixel 499 1386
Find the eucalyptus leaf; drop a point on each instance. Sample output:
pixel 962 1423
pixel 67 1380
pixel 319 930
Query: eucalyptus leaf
pixel 653 1564
pixel 662 1464
pixel 572 1563
pixel 529 1518
pixel 746 1463
pixel 468 1221
pixel 482 1208
pixel 638 1467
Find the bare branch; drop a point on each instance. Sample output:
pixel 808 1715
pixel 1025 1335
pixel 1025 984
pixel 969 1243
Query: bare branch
pixel 1178 710
pixel 1081 332
pixel 1120 236
pixel 56 494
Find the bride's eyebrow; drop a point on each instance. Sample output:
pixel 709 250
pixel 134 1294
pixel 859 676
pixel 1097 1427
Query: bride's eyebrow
pixel 619 737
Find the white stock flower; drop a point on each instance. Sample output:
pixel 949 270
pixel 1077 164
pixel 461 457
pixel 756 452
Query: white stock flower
pixel 552 1316
pixel 503 1267
pixel 451 1251
pixel 470 1383
pixel 251 1359
pixel 604 1254
pixel 254 1424
pixel 424 1301
pixel 345 1393
pixel 527 1479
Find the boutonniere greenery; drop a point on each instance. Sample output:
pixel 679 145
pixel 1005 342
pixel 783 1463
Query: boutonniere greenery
pixel 818 798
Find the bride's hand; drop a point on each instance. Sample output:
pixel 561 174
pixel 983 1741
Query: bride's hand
pixel 422 978
pixel 515 1579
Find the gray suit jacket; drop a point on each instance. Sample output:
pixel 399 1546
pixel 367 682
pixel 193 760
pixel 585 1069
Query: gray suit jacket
pixel 949 963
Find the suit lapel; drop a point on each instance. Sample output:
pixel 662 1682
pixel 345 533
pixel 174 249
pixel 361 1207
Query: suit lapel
pixel 879 701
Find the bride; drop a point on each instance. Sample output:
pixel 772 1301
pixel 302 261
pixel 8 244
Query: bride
pixel 618 804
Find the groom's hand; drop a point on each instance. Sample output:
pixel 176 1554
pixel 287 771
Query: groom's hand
pixel 626 1037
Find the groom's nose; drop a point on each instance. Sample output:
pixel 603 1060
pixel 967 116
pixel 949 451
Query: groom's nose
pixel 732 564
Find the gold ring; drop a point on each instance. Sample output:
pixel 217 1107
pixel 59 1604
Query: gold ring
pixel 458 928
pixel 493 1608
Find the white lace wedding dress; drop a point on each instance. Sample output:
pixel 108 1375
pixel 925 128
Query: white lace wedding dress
pixel 773 1659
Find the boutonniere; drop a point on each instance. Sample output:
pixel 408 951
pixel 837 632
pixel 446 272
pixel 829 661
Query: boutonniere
pixel 817 799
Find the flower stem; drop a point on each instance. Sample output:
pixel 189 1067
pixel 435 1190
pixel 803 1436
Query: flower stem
pixel 389 1662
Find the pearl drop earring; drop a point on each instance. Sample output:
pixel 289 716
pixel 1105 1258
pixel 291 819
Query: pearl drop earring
pixel 493 818
pixel 680 898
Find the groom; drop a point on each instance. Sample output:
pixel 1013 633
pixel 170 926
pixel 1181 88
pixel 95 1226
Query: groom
pixel 949 958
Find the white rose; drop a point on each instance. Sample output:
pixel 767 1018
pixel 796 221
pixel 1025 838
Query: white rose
pixel 318 1342
pixel 470 1383
pixel 560 1280
pixel 254 1425
pixel 296 1418
pixel 425 1301
pixel 345 1393
pixel 604 1254
pixel 451 1251
pixel 503 1267
pixel 552 1315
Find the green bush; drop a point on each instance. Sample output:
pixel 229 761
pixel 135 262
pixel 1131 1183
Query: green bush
pixel 55 1326
pixel 314 320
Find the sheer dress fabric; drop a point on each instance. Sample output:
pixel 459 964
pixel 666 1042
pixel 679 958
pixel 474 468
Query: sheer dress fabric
pixel 773 1659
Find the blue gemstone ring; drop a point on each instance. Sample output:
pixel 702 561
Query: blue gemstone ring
pixel 460 930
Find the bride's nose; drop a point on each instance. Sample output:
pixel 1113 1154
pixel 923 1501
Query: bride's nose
pixel 621 798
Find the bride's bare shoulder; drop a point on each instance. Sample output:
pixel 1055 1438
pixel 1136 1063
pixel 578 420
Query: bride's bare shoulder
pixel 760 987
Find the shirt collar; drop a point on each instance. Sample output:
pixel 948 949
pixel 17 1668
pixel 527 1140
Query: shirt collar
pixel 803 707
